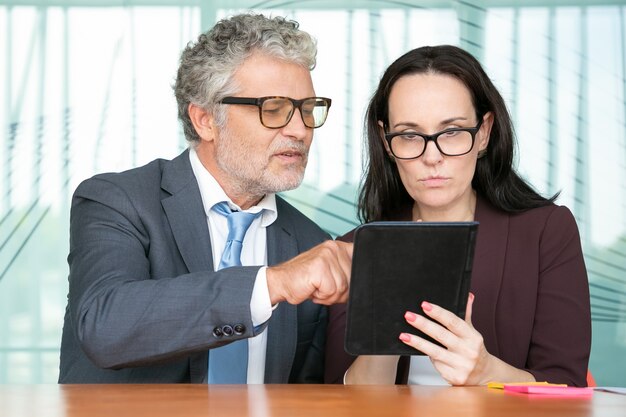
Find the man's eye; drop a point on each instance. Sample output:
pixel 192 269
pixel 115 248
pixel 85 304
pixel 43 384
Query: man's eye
pixel 271 110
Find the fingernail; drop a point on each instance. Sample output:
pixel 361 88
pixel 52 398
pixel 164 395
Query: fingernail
pixel 405 337
pixel 410 316
pixel 426 306
pixel 472 296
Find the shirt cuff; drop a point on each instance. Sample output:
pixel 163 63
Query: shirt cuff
pixel 260 304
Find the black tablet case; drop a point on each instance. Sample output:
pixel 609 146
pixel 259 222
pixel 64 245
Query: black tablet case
pixel 396 266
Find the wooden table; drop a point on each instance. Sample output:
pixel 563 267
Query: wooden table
pixel 292 401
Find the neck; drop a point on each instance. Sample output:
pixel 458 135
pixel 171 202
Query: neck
pixel 462 212
pixel 242 200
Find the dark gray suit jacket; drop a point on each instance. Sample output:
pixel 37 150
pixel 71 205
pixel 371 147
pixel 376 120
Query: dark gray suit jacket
pixel 144 299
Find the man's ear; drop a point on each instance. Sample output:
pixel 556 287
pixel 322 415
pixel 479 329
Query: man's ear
pixel 203 122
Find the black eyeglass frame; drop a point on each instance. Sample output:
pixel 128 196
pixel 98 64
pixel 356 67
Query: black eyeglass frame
pixel 427 138
pixel 297 104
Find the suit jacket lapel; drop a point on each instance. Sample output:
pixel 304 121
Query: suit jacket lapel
pixel 488 270
pixel 186 215
pixel 187 218
pixel 283 325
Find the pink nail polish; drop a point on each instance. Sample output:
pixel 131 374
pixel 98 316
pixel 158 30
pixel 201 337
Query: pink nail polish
pixel 426 306
pixel 410 316
pixel 405 337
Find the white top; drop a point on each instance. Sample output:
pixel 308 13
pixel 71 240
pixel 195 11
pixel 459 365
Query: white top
pixel 254 252
pixel 423 372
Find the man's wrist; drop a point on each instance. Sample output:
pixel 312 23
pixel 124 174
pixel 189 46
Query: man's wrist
pixel 260 303
pixel 274 285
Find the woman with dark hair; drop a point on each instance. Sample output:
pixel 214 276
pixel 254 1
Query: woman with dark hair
pixel 440 148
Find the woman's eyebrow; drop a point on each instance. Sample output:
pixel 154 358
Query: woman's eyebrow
pixel 443 122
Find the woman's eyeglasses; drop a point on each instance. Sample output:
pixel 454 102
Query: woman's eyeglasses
pixel 450 142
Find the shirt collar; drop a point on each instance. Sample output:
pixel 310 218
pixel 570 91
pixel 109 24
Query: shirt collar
pixel 212 193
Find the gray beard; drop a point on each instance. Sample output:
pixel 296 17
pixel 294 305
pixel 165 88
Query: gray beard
pixel 248 181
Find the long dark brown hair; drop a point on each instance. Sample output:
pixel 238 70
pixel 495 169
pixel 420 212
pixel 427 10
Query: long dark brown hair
pixel 383 196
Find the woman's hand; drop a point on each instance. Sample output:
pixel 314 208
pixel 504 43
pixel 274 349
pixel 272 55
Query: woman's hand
pixel 464 360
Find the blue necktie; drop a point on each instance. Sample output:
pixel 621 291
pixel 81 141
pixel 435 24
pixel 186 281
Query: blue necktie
pixel 229 364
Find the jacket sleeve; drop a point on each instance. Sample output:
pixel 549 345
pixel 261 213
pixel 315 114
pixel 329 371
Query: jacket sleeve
pixel 120 314
pixel 337 359
pixel 561 337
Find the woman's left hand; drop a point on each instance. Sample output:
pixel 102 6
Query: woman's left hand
pixel 464 360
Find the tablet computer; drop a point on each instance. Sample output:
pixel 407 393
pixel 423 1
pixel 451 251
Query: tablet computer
pixel 396 266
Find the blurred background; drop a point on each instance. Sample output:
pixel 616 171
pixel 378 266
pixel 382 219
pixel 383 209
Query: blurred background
pixel 85 87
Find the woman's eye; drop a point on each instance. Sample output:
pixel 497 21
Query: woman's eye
pixel 450 134
pixel 409 136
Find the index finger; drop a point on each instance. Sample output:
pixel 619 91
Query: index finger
pixel 448 319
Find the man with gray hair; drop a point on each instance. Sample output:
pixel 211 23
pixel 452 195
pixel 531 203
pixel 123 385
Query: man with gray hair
pixel 194 270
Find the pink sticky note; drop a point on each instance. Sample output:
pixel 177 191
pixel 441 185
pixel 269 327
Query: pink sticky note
pixel 548 389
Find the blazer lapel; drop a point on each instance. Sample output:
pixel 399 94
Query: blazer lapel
pixel 488 270
pixel 283 325
pixel 186 215
pixel 187 219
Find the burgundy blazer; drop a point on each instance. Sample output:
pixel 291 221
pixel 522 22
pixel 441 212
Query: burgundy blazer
pixel 532 296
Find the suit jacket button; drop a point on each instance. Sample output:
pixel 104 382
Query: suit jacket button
pixel 239 329
pixel 217 332
pixel 228 330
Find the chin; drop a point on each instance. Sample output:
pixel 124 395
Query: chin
pixel 433 200
pixel 285 182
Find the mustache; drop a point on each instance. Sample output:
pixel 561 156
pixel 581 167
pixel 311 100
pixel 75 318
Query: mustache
pixel 280 146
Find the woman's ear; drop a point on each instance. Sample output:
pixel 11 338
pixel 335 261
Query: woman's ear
pixel 381 135
pixel 484 133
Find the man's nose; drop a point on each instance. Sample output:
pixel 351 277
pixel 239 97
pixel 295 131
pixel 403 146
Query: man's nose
pixel 296 126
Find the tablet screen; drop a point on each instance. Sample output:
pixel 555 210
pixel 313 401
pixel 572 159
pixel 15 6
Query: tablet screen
pixel 396 266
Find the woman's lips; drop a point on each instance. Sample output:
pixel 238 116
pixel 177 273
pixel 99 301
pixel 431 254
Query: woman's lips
pixel 433 182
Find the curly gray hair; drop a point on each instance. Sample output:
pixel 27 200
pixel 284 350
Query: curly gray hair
pixel 205 74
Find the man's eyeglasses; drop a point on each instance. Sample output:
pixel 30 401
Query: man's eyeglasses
pixel 450 142
pixel 276 112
